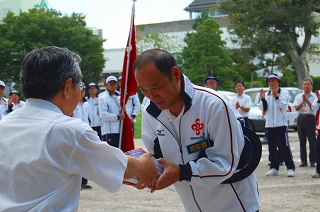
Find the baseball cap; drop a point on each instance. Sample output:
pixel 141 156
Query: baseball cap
pixel 252 159
pixel 93 84
pixel 272 75
pixel 14 91
pixel 111 78
pixel 82 86
pixel 249 159
pixel 2 84
pixel 211 77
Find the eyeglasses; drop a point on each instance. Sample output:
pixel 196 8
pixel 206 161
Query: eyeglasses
pixel 81 86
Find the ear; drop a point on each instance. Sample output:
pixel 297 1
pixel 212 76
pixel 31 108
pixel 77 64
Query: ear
pixel 66 88
pixel 176 74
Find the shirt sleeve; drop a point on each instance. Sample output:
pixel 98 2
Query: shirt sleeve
pixel 248 102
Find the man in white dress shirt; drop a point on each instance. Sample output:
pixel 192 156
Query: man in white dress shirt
pixel 306 104
pixel 44 152
pixel 241 102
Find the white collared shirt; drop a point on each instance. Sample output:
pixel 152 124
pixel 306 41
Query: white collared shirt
pixel 305 108
pixel 44 154
pixel 244 100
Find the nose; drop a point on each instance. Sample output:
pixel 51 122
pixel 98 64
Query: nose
pixel 152 95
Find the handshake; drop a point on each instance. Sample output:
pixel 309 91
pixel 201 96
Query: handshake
pixel 136 153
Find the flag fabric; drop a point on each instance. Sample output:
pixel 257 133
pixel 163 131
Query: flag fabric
pixel 128 86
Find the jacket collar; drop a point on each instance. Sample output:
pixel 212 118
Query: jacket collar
pixel 279 90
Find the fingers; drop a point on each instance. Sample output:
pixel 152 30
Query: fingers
pixel 162 161
pixel 149 177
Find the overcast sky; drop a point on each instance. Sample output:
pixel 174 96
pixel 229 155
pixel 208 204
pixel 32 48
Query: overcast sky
pixel 113 16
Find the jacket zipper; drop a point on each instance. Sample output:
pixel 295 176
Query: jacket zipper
pixel 181 152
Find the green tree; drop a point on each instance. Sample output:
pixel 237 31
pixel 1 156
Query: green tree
pixel 205 54
pixel 316 83
pixel 274 27
pixel 41 27
pixel 162 41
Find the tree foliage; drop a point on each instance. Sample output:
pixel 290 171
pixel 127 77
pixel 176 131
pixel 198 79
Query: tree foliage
pixel 162 41
pixel 274 27
pixel 205 54
pixel 41 27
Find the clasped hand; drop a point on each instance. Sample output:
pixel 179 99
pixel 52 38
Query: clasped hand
pixel 170 175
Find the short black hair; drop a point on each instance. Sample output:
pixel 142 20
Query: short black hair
pixel 163 60
pixel 238 82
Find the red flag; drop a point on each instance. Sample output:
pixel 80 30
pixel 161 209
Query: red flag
pixel 128 86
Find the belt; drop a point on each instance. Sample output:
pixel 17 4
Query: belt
pixel 306 115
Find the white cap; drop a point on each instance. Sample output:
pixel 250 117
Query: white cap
pixel 92 84
pixel 2 84
pixel 111 78
pixel 272 75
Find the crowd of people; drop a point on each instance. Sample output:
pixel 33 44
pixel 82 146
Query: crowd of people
pixel 75 136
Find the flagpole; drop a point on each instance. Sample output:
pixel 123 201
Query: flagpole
pixel 128 49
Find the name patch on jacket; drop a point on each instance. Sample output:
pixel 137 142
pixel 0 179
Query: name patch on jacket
pixel 198 146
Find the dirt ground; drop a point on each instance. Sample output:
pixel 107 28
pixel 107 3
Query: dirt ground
pixel 278 193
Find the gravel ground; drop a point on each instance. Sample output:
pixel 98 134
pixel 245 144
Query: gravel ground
pixel 278 193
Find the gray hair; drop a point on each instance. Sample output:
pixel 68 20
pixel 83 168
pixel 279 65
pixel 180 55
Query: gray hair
pixel 44 72
pixel 307 79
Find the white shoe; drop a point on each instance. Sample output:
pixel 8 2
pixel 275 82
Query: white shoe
pixel 291 173
pixel 272 172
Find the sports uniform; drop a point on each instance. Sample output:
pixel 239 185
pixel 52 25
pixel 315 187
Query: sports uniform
pixel 59 152
pixel 179 140
pixel 276 128
pixel 82 112
pixel 133 106
pixel 1 113
pixel 109 110
pixel 95 120
pixel 4 104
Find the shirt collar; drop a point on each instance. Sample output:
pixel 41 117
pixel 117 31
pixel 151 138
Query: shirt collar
pixel 42 104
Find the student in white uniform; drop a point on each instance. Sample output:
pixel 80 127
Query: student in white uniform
pixel 274 104
pixel 44 152
pixel 3 101
pixel 14 102
pixel 241 102
pixel 82 112
pixel 93 101
pixel 110 112
pixel 1 113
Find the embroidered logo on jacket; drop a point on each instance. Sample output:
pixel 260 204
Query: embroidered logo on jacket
pixel 198 126
pixel 160 133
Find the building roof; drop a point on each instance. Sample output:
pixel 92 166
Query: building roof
pixel 200 5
